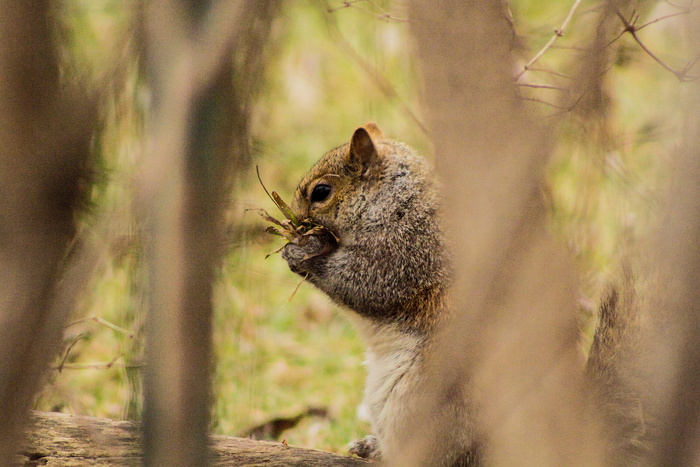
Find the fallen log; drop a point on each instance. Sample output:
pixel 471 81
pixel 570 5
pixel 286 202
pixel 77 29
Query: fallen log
pixel 57 439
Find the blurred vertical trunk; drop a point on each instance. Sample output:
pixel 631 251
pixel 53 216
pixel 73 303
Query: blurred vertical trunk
pixel 614 388
pixel 513 340
pixel 675 353
pixel 203 60
pixel 44 146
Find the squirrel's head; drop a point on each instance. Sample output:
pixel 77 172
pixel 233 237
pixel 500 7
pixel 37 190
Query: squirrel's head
pixel 329 194
pixel 380 201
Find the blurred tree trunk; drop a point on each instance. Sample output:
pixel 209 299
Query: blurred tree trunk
pixel 44 147
pixel 513 340
pixel 644 364
pixel 203 60
pixel 674 354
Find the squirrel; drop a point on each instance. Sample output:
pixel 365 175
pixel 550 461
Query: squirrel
pixel 382 256
pixel 385 261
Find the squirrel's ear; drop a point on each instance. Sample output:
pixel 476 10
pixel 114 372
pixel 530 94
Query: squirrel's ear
pixel 362 148
pixel 374 130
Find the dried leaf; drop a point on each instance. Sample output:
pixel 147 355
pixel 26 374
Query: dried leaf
pixel 271 229
pixel 274 251
pixel 264 214
pixel 286 210
pixel 257 170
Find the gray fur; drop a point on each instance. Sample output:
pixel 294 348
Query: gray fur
pixel 390 269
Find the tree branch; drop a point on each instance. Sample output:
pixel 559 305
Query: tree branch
pixel 559 32
pixel 542 86
pixel 631 28
pixel 383 15
pixel 60 439
pixel 105 323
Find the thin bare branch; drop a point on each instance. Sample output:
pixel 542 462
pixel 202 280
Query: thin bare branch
pixel 70 347
pixel 303 279
pixel 568 47
pixel 557 34
pixel 105 323
pixel 540 101
pixel 345 4
pixel 542 86
pixel 615 39
pixel 551 72
pixel 684 12
pixel 675 5
pixel 692 63
pixel 631 28
pixel 383 15
pixel 100 365
pixel 566 109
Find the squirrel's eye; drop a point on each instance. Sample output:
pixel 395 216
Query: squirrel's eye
pixel 320 193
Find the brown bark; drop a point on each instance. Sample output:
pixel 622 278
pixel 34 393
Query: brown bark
pixel 197 138
pixel 514 340
pixel 68 440
pixel 44 147
pixel 674 355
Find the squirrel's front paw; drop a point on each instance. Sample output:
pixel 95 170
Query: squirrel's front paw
pixel 366 448
pixel 294 255
pixel 298 253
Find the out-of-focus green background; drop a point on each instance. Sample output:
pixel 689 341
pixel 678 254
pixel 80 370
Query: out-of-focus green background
pixel 276 357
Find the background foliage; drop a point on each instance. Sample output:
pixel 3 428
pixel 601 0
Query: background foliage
pixel 327 73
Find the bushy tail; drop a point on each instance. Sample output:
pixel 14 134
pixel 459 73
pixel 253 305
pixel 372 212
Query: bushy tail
pixel 611 374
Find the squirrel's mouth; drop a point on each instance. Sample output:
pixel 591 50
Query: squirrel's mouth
pixel 311 227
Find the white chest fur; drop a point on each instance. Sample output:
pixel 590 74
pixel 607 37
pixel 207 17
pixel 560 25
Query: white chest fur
pixel 393 369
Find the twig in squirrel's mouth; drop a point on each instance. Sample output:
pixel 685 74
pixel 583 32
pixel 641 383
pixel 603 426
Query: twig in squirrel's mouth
pixel 297 287
pixel 291 227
